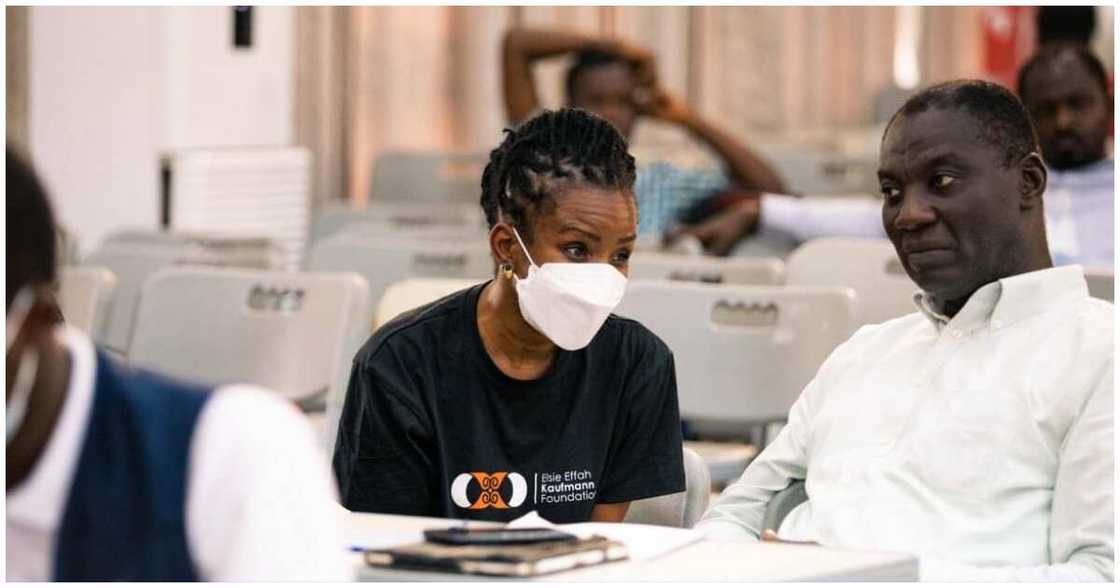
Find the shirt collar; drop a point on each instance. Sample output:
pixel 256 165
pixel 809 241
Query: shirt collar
pixel 39 501
pixel 1008 300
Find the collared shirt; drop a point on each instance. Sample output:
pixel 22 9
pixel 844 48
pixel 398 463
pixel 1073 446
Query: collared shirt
pixel 982 443
pixel 259 496
pixel 1078 205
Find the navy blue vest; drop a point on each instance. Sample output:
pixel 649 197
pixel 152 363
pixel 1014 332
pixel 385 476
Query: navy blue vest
pixel 125 518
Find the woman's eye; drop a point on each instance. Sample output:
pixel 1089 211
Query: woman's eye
pixel 942 180
pixel 575 251
pixel 622 257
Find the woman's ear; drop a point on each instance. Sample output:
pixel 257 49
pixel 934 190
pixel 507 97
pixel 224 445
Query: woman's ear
pixel 502 243
pixel 1032 181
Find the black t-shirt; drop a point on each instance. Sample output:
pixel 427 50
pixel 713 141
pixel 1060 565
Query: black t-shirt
pixel 431 426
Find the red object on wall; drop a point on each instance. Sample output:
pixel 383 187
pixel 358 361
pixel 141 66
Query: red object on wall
pixel 1009 37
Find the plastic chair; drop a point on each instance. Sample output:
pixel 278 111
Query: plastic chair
pixel 383 262
pixel 647 265
pixel 85 297
pixel 681 509
pixel 294 333
pixel 393 218
pixel 868 266
pixel 427 176
pixel 413 293
pixel 782 503
pixel 1102 282
pixel 743 353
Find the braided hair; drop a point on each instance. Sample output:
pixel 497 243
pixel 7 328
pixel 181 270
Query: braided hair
pixel 569 145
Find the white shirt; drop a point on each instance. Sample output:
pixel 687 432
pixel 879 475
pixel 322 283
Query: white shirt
pixel 260 498
pixel 983 444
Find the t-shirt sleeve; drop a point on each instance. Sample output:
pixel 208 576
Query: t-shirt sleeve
pixel 646 459
pixel 384 459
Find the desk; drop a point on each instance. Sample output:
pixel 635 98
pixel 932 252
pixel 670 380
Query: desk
pixel 704 561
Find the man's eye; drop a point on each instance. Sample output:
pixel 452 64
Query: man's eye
pixel 942 181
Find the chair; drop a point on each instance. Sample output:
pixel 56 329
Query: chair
pixel 133 256
pixel 648 265
pixel 85 297
pixel 383 261
pixel 743 353
pixel 427 176
pixel 868 266
pixel 682 509
pixel 782 503
pixel 294 333
pixel 415 292
pixel 1101 281
pixel 392 218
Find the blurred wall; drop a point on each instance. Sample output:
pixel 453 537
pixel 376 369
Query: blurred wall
pixel 111 88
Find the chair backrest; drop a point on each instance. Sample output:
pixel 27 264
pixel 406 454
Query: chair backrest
pixel 868 266
pixel 682 509
pixel 427 176
pixel 295 333
pixel 648 265
pixel 743 353
pixel 1102 282
pixel 383 262
pixel 133 257
pixel 392 218
pixel 85 297
pixel 415 292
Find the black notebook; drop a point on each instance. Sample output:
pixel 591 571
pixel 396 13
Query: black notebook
pixel 522 560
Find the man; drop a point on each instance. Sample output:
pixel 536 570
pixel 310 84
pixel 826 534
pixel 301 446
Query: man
pixel 618 82
pixel 115 473
pixel 976 433
pixel 1066 91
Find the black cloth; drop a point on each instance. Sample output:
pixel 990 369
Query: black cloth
pixel 431 426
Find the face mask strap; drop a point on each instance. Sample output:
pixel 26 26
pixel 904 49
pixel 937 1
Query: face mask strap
pixel 522 244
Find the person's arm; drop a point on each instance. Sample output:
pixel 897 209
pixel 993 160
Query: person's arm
pixel 384 457
pixel 610 513
pixel 522 47
pixel 813 217
pixel 744 167
pixel 1082 533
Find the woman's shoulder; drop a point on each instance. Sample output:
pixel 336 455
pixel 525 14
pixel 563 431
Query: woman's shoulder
pixel 415 332
pixel 633 339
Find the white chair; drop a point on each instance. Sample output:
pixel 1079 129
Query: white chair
pixel 648 265
pixel 392 218
pixel 295 333
pixel 682 509
pixel 85 297
pixel 868 266
pixel 428 176
pixel 1101 281
pixel 133 256
pixel 383 262
pixel 743 353
pixel 413 293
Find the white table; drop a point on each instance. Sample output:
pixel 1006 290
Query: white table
pixel 703 561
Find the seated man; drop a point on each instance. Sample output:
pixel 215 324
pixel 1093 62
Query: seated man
pixel 115 473
pixel 976 433
pixel 1066 91
pixel 618 82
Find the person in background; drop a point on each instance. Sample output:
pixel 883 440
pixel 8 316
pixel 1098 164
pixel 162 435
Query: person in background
pixel 115 473
pixel 618 81
pixel 977 432
pixel 1066 90
pixel 523 393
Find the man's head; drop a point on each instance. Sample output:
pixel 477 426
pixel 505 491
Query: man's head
pixel 31 235
pixel 962 185
pixel 603 83
pixel 1065 89
pixel 1074 24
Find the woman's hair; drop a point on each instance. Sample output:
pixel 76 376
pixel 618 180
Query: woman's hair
pixel 555 147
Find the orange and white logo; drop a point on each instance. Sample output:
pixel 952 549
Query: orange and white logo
pixel 493 490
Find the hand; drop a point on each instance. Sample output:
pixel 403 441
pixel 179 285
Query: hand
pixel 641 59
pixel 720 233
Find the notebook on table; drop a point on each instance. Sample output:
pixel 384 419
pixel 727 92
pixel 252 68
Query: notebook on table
pixel 519 560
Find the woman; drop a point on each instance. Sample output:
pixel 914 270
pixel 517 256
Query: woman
pixel 523 393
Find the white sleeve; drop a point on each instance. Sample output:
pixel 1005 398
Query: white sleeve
pixel 261 503
pixel 813 217
pixel 1082 540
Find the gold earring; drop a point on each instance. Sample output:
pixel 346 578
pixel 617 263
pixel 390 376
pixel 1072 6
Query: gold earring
pixel 507 270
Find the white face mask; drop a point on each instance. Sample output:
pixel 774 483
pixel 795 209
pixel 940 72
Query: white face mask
pixel 28 367
pixel 568 302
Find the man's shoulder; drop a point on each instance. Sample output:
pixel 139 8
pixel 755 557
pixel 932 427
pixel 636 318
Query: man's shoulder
pixel 416 331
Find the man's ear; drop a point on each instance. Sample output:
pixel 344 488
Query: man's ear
pixel 1032 181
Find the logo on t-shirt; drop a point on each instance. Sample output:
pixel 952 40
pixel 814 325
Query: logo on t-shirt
pixel 498 490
